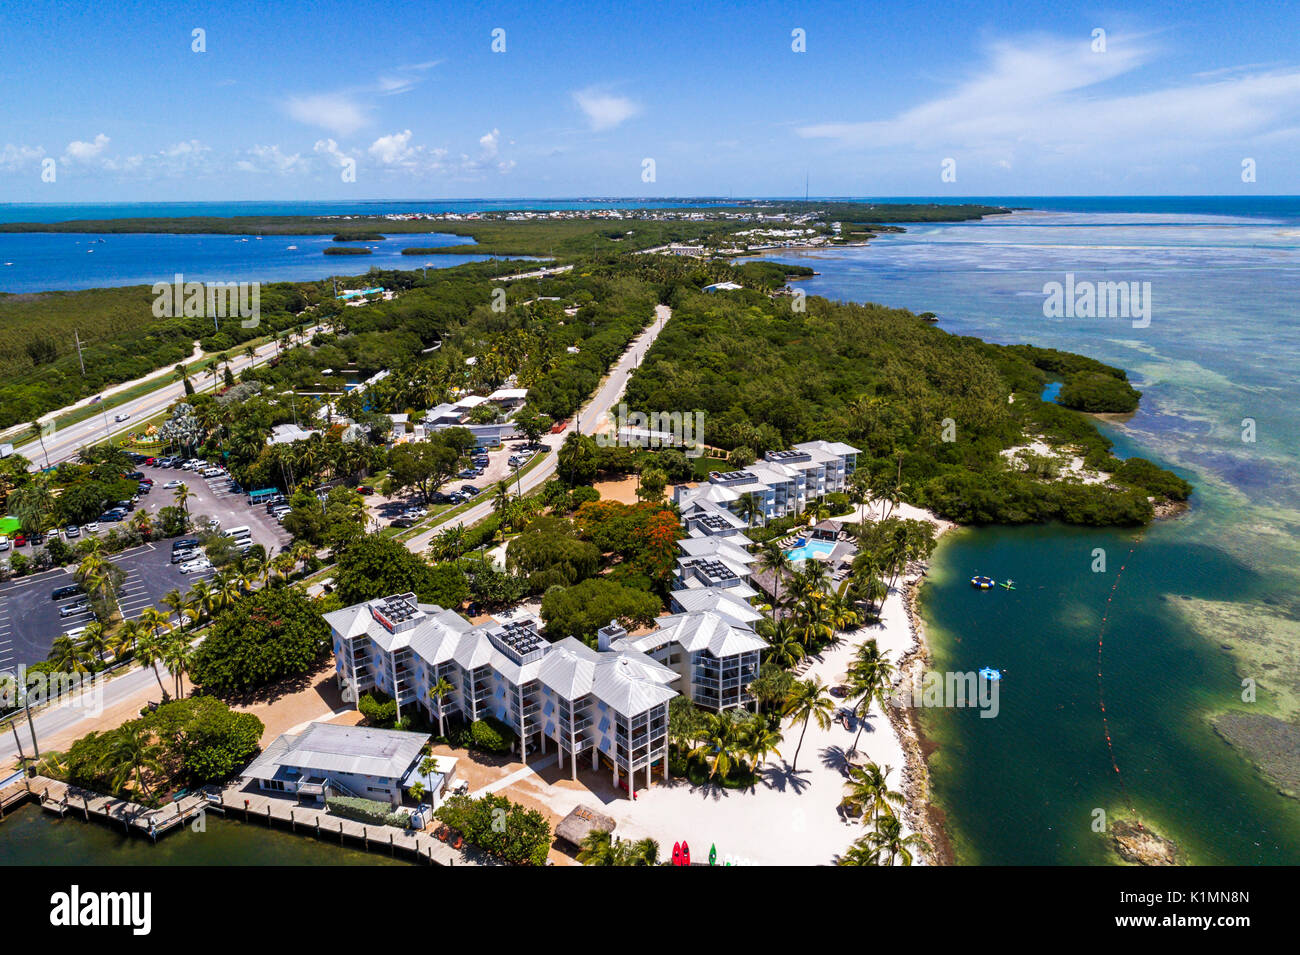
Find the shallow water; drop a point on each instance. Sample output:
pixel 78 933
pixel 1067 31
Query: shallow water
pixel 1204 601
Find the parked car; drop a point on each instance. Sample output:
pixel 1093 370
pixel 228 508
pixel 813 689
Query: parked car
pixel 37 539
pixel 62 593
pixel 469 489
pixel 197 564
pixel 92 527
pixel 147 481
pixel 74 608
pixel 172 484
pixel 134 476
pixel 20 540
pixel 402 522
pixel 184 543
pixel 4 542
pixel 365 490
pixel 151 461
pixel 72 530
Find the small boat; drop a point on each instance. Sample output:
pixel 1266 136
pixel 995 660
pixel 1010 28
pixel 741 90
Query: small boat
pixel 677 853
pixel 293 248
pixel 983 583
pixel 686 853
pixel 1008 585
pixel 990 674
pixel 713 854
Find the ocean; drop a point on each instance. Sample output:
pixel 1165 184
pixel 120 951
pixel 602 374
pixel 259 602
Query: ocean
pixel 1205 607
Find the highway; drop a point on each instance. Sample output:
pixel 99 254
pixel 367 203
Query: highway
pixel 65 442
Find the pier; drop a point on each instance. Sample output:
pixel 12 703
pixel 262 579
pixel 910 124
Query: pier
pixel 62 799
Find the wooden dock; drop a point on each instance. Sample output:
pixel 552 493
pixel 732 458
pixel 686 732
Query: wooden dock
pixel 251 807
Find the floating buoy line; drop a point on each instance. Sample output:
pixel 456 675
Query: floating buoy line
pixel 1101 691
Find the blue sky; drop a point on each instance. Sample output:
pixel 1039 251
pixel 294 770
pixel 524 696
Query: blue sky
pixel 287 95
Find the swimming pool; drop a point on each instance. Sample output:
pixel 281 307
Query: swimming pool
pixel 812 548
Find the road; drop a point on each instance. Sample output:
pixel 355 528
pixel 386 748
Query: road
pixel 609 392
pixel 65 442
pixel 67 716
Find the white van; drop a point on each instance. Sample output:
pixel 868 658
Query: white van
pixel 75 632
pixel 213 472
pixel 237 532
pixel 4 542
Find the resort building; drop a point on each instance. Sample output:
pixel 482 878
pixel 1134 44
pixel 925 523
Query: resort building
pixel 612 701
pixel 715 656
pixel 326 759
pixel 783 483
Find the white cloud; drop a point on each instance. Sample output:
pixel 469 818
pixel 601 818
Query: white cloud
pixel 490 142
pixel 80 151
pixel 605 110
pixel 328 147
pixel 337 112
pixel 1055 97
pixel 269 159
pixel 13 158
pixel 393 149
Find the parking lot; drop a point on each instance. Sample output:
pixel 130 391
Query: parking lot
pixel 30 620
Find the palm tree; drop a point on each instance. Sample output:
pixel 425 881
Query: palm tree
pixel 68 655
pixel 643 852
pixel 718 744
pixel 808 700
pixel 124 641
pixel 176 657
pixel 175 602
pixel 860 853
pixel 749 506
pixel 783 646
pixel 133 753
pixel 597 848
pixel 869 792
pixel 149 646
pixel 182 495
pixel 870 676
pixel 759 739
pixel 437 693
pixel 888 838
pixel 93 642
pixel 36 426
pixel 772 557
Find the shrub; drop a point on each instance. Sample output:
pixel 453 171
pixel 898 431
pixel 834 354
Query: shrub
pixel 378 709
pixel 490 735
pixel 369 811
pixel 499 827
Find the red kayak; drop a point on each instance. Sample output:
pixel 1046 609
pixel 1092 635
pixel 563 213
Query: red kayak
pixel 686 853
pixel 677 853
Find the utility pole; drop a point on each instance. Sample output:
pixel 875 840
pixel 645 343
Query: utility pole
pixel 80 361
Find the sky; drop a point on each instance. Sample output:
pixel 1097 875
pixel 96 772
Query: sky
pixel 126 102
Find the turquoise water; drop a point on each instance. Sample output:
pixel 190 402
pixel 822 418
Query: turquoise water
pixel 1203 602
pixel 812 548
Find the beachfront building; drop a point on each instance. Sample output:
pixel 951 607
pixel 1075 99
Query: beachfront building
pixel 714 655
pixel 403 648
pixel 326 760
pixel 783 483
pixel 611 702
